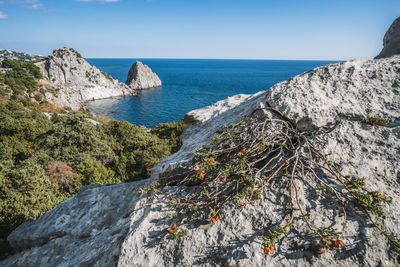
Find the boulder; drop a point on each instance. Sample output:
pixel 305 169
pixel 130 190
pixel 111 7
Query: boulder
pixel 140 76
pixel 391 41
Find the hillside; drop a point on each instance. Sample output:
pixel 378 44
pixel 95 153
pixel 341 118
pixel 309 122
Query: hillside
pixel 306 173
pixel 7 54
pixel 48 153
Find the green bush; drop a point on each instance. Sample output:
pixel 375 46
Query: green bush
pixel 33 69
pixel 170 132
pixel 11 63
pixel 91 171
pixel 25 193
pixel 43 161
pixel 21 81
pixel 137 151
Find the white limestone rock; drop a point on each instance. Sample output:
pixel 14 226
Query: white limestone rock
pixel 75 81
pixel 340 90
pixel 140 76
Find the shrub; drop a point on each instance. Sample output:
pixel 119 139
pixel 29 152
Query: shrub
pixel 170 132
pixel 25 193
pixel 91 171
pixel 21 81
pixel 61 174
pixel 33 69
pixel 11 63
pixel 137 150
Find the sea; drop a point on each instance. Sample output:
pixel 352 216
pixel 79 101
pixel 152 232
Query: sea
pixel 189 84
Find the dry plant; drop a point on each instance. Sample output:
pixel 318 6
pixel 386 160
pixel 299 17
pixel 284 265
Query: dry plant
pixel 245 157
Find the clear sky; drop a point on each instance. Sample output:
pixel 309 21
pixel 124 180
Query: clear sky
pixel 253 29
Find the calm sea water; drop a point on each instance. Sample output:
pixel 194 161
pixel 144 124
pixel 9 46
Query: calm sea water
pixel 190 84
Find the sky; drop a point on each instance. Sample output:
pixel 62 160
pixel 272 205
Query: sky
pixel 236 29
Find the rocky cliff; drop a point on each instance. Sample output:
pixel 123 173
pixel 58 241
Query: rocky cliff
pixel 306 173
pixel 73 81
pixel 391 41
pixel 140 76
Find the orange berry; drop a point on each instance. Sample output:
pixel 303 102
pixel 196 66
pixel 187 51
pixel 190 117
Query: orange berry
pixel 214 218
pixel 242 152
pixel 173 226
pixel 272 249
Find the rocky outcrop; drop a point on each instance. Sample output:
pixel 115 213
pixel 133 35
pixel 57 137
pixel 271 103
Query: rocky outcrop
pixel 140 76
pixel 391 41
pixel 74 81
pixel 340 91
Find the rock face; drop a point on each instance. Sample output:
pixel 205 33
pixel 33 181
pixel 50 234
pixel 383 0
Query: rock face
pixel 391 41
pixel 340 91
pixel 140 76
pixel 75 81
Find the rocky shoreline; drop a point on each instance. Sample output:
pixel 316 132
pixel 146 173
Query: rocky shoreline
pixel 71 81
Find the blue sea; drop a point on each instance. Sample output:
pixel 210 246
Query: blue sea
pixel 190 84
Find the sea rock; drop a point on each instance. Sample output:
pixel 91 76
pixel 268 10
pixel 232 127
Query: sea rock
pixel 140 76
pixel 391 41
pixel 73 81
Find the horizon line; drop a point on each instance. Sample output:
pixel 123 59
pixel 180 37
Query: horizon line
pixel 194 58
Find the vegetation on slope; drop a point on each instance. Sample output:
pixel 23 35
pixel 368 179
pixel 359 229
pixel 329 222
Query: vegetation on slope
pixel 45 157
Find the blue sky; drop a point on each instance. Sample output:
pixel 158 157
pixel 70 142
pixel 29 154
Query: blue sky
pixel 253 29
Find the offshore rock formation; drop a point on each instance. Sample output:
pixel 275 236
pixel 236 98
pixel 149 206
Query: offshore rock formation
pixel 140 76
pixel 391 41
pixel 73 81
pixel 117 225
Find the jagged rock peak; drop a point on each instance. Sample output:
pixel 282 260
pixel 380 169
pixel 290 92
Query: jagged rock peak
pixel 66 51
pixel 391 41
pixel 140 76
